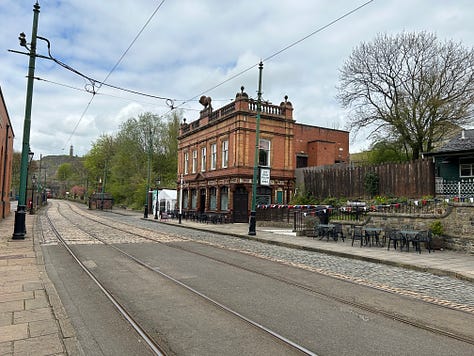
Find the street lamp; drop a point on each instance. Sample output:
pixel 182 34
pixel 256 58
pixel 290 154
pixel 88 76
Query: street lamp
pixel 157 203
pixel 30 159
pixel 253 212
pixel 20 214
pixel 34 181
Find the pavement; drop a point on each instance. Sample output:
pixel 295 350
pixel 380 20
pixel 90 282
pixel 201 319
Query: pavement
pixel 33 320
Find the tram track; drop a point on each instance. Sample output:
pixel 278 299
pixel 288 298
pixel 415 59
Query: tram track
pixel 155 347
pixel 133 230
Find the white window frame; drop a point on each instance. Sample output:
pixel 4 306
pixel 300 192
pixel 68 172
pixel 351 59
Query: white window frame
pixel 186 162
pixel 469 166
pixel 225 153
pixel 263 142
pixel 195 157
pixel 213 156
pixel 203 159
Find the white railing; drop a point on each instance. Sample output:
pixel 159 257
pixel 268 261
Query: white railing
pixel 455 188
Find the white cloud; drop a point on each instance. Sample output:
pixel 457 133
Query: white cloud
pixel 188 48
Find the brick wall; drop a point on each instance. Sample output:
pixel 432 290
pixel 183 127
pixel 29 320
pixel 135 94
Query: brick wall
pixel 6 155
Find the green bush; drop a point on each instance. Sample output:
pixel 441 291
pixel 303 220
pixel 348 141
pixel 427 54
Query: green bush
pixel 371 183
pixel 437 228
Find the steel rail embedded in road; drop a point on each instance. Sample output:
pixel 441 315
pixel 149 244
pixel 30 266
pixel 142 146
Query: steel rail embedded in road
pixel 378 311
pixel 251 322
pixel 143 334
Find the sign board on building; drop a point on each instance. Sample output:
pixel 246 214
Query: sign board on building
pixel 264 176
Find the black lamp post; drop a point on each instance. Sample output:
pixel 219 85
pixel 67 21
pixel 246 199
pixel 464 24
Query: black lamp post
pixel 34 181
pixel 30 159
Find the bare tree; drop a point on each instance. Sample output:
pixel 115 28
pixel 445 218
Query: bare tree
pixel 409 87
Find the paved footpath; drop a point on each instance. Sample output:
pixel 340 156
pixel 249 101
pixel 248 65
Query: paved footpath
pixel 446 263
pixel 32 319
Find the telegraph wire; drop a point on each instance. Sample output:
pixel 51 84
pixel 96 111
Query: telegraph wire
pixel 116 96
pixel 111 71
pixel 280 51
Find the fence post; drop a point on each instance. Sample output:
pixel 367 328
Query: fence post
pixel 294 221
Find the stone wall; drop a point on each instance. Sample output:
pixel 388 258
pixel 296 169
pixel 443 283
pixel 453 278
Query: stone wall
pixel 458 223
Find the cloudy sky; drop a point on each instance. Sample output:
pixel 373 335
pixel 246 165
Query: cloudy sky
pixel 181 49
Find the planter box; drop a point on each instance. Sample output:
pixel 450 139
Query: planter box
pixel 438 242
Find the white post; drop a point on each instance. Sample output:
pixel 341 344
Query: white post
pixel 181 199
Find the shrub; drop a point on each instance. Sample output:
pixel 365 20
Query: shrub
pixel 437 228
pixel 371 183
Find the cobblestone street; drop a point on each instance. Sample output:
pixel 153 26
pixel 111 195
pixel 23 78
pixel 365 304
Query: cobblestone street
pixel 423 285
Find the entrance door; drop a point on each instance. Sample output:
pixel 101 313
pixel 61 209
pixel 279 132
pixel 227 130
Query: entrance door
pixel 241 203
pixel 202 200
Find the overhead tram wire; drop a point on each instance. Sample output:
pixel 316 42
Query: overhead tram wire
pixel 279 52
pixel 112 70
pixel 121 97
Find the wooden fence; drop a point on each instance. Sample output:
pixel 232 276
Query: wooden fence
pixel 412 180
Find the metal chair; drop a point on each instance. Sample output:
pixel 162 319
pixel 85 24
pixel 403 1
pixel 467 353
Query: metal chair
pixel 424 237
pixel 338 232
pixel 357 234
pixel 371 237
pixel 395 236
pixel 414 240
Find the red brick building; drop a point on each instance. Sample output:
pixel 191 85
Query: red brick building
pixel 6 157
pixel 216 156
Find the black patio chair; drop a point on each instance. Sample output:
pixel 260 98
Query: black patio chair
pixel 424 237
pixel 358 234
pixel 371 238
pixel 395 237
pixel 338 232
pixel 412 239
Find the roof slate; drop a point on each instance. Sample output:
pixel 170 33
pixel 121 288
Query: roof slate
pixel 458 143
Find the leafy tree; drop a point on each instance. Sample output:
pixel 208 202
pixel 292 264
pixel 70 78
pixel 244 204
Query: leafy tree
pixel 122 160
pixel 409 87
pixel 385 151
pixel 96 161
pixel 65 172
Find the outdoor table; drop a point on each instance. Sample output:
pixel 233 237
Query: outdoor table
pixel 325 230
pixel 371 234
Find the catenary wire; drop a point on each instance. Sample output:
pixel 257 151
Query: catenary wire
pixel 279 51
pixel 113 69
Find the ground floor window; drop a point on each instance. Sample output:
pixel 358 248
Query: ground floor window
pixel 185 199
pixel 466 168
pixel 212 198
pixel 264 196
pixel 224 198
pixel 193 199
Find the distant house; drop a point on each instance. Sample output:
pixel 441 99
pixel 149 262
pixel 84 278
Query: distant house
pixel 454 166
